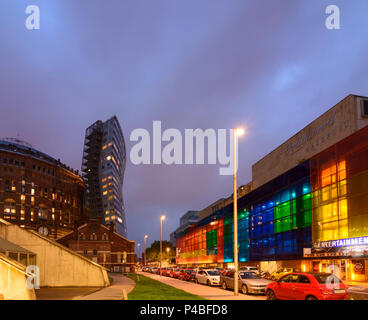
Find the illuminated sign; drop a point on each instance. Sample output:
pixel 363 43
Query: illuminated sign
pixel 359 241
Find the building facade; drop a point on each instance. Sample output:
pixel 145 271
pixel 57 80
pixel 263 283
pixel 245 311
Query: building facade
pixel 103 245
pixel 103 168
pixel 188 219
pixel 38 192
pixel 308 207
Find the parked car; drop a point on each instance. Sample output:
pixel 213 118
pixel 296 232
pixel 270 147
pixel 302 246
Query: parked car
pixel 163 271
pixel 281 272
pixel 248 268
pixel 211 277
pixel 193 275
pixel 174 273
pixel 166 272
pixel 154 270
pixel 307 286
pixel 248 282
pixel 185 274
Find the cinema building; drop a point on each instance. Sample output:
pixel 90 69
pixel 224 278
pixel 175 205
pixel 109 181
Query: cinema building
pixel 38 192
pixel 306 207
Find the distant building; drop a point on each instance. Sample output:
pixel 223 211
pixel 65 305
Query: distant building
pixel 188 219
pixel 38 192
pixel 101 244
pixel 103 167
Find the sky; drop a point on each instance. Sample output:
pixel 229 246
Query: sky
pixel 270 66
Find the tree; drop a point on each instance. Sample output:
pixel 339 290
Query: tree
pixel 153 253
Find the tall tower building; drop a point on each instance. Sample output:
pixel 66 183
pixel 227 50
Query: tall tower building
pixel 103 166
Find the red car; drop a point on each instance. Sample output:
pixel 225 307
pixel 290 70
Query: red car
pixel 165 271
pixel 185 274
pixel 307 286
pixel 174 273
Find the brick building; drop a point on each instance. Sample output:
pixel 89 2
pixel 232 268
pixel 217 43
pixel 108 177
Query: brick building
pixel 37 191
pixel 101 244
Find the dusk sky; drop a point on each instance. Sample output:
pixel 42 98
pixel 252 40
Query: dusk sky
pixel 271 66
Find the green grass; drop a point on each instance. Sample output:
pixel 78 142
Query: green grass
pixel 149 289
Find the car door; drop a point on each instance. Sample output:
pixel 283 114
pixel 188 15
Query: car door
pixel 200 276
pixel 230 280
pixel 302 287
pixel 287 287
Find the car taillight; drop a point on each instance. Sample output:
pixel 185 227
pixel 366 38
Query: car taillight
pixel 327 291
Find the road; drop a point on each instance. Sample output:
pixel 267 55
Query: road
pixel 210 293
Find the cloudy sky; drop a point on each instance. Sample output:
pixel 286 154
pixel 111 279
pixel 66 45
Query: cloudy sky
pixel 271 66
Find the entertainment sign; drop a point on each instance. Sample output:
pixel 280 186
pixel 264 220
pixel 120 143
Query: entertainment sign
pixel 360 241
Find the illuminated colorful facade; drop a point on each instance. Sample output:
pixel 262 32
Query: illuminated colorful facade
pixel 305 217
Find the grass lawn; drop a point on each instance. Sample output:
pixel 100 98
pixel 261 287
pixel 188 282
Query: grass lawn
pixel 149 289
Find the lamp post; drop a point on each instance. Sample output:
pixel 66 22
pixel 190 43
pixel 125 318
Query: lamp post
pixel 236 133
pixel 162 218
pixel 145 240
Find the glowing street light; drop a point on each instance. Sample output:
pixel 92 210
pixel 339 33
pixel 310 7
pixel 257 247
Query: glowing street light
pixel 162 218
pixel 236 133
pixel 145 240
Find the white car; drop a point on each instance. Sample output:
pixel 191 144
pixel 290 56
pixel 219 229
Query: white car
pixel 247 268
pixel 209 277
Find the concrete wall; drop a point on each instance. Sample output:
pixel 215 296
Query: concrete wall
pixel 336 124
pixel 13 281
pixel 59 266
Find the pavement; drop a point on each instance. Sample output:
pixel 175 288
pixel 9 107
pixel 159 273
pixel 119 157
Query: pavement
pixel 210 293
pixel 357 290
pixel 63 293
pixel 113 292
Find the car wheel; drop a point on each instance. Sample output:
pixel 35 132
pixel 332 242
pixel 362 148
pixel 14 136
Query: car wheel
pixel 311 298
pixel 244 289
pixel 224 286
pixel 208 283
pixel 270 295
pixel 273 278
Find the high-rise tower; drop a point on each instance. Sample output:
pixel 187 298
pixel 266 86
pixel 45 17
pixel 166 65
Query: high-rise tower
pixel 103 167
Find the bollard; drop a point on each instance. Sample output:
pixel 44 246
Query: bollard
pixel 125 296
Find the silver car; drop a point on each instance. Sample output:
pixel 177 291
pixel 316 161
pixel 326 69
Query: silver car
pixel 249 282
pixel 208 276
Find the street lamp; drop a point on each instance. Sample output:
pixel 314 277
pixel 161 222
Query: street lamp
pixel 236 133
pixel 162 218
pixel 145 259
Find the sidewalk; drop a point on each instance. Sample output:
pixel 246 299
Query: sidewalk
pixel 113 292
pixel 210 293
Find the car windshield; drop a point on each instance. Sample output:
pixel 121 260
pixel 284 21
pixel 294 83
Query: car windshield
pixel 327 278
pixel 189 271
pixel 213 273
pixel 285 270
pixel 249 275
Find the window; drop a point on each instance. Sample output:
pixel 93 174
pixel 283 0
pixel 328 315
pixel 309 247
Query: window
pixel 303 279
pixel 291 278
pixel 42 212
pixel 9 209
